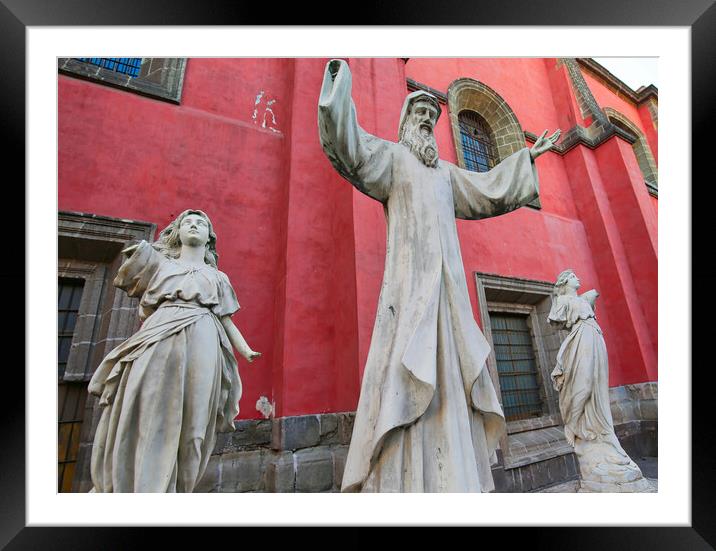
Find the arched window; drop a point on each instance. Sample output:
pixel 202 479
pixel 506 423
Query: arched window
pixel 478 143
pixel 641 148
pixel 485 129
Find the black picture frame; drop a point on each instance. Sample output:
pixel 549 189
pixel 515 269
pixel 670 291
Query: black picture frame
pixel 699 15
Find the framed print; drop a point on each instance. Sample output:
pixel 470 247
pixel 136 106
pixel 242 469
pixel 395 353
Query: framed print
pixel 36 514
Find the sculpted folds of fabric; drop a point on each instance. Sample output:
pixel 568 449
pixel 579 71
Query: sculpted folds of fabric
pixel 428 417
pixel 167 389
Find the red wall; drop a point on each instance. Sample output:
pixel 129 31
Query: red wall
pixel 305 252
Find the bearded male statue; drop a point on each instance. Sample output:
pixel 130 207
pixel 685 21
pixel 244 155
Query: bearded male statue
pixel 428 417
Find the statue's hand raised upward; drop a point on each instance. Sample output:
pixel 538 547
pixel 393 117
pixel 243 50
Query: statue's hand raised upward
pixel 543 144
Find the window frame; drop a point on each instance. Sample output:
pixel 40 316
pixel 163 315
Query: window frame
pixel 481 126
pixel 160 77
pixel 524 440
pixel 507 133
pixel 89 248
pixel 529 311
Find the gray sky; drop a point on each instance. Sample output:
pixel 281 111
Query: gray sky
pixel 634 71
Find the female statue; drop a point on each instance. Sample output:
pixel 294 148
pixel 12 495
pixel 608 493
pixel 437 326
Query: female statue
pixel 171 386
pixel 581 376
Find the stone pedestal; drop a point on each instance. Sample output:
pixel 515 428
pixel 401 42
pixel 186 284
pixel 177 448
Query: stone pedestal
pixel 604 469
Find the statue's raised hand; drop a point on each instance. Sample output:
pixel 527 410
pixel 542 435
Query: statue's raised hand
pixel 543 144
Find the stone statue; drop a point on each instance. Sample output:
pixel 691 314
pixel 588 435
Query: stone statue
pixel 428 417
pixel 581 377
pixel 171 386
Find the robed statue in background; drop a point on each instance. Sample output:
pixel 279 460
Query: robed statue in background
pixel 428 417
pixel 581 377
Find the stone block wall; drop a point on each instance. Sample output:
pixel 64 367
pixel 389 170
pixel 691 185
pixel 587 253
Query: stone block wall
pixel 635 413
pixel 540 458
pixel 308 453
pixel 291 454
pixel 532 477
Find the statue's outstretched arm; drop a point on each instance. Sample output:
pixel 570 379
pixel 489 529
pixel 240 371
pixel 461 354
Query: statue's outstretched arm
pixel 237 339
pixel 361 158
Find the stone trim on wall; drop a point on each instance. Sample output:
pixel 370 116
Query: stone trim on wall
pixel 642 151
pixel 499 293
pixel 635 414
pixel 414 86
pixel 624 91
pixel 578 135
pixel 159 77
pixel 89 247
pixel 470 94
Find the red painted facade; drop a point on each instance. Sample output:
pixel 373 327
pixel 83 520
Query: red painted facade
pixel 305 251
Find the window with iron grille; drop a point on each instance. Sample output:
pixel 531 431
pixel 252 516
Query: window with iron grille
pixel 516 366
pixel 478 145
pixel 71 396
pixel 92 314
pixel 69 294
pixel 127 65
pixel 156 77
pixel 70 414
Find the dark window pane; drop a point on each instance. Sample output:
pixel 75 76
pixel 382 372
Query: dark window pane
pixel 478 145
pixel 71 405
pixel 126 65
pixel 69 295
pixel 516 366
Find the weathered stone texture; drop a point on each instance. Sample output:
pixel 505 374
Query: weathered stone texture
pixel 314 470
pixel 291 454
pixel 293 433
pixel 242 471
pixel 281 474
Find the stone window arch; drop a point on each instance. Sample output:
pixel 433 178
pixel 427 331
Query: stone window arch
pixel 467 94
pixel 644 157
pixel 467 97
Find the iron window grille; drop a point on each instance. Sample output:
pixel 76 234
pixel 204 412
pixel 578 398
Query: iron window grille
pixel 69 294
pixel 71 396
pixel 155 77
pixel 126 65
pixel 478 146
pixel 516 366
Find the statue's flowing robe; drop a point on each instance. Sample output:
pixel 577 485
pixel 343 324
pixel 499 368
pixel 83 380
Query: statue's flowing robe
pixel 171 386
pixel 583 364
pixel 428 417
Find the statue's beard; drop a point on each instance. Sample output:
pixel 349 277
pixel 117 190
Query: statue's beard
pixel 421 143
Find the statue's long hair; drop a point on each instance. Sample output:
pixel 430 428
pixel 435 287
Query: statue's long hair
pixel 562 278
pixel 169 243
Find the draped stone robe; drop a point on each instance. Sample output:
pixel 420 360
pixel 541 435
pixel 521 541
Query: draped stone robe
pixel 428 417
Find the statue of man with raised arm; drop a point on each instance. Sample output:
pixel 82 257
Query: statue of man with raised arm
pixel 428 417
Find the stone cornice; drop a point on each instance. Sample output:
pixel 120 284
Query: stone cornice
pixel 414 85
pixel 616 85
pixel 577 135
